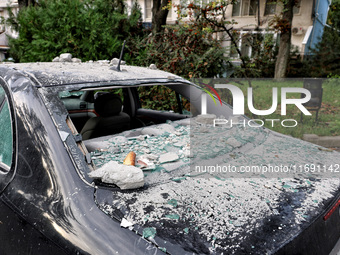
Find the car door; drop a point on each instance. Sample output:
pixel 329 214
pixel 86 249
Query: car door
pixel 18 233
pixel 7 136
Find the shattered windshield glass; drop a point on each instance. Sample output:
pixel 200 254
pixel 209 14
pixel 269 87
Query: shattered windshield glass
pixel 179 204
pixel 168 177
pixel 65 94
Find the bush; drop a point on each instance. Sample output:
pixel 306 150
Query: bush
pixel 89 29
pixel 184 50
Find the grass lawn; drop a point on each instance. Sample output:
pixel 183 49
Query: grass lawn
pixel 328 123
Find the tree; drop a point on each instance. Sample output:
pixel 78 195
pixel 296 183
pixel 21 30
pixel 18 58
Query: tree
pixel 89 29
pixel 159 15
pixel 283 23
pixel 212 16
pixel 185 50
pixel 216 18
pixel 325 60
pixel 334 15
pixel 25 3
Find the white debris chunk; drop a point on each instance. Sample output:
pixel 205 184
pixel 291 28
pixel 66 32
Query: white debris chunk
pixel 103 62
pixel 180 144
pixel 118 139
pixel 63 135
pixel 168 157
pixel 145 163
pixel 153 67
pixel 56 59
pixel 206 118
pixel 151 157
pixel 115 61
pixel 125 223
pixel 187 153
pixel 233 142
pixel 125 177
pixel 76 60
pixel 158 130
pixel 184 122
pixel 166 128
pixel 65 57
pixel 94 145
pixel 151 131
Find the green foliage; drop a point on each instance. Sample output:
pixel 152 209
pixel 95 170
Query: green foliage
pixel 334 14
pixel 161 98
pixel 327 54
pixel 334 127
pixel 328 123
pixel 89 29
pixel 213 16
pixel 325 58
pixel 185 50
pixel 262 62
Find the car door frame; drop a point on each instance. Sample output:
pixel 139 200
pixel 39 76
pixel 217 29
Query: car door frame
pixel 6 176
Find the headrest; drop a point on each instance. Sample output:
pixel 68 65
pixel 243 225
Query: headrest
pixel 107 104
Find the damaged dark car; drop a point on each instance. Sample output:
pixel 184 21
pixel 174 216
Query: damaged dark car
pixel 99 161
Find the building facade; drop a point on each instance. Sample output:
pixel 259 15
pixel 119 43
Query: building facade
pixel 5 31
pixel 309 19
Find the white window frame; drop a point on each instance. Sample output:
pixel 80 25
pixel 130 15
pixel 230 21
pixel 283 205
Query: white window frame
pixel 146 10
pixel 241 11
pixel 245 32
pixel 297 9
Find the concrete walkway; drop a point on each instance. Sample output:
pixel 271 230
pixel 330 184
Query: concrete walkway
pixel 325 141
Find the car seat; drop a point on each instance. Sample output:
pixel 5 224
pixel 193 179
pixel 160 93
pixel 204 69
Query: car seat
pixel 111 119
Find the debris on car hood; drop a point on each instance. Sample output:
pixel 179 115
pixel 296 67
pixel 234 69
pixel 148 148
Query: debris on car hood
pixel 130 159
pixel 211 212
pixel 124 176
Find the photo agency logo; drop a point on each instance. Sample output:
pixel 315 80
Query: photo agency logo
pixel 239 105
pixel 204 97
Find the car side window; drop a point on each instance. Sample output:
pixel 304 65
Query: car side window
pixel 6 133
pixel 162 98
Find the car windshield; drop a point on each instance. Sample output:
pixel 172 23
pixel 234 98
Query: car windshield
pixel 166 136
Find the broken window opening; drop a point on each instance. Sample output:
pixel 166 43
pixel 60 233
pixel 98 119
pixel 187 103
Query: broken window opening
pixel 245 8
pixel 270 7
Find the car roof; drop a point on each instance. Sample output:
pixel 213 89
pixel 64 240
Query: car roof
pixel 98 73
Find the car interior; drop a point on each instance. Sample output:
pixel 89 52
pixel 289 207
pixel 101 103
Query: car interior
pixel 97 113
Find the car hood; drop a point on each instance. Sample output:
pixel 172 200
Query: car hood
pixel 182 210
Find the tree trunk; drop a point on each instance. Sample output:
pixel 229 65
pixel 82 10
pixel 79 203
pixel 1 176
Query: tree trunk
pixel 285 26
pixel 159 15
pixel 25 3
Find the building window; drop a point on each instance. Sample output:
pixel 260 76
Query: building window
pixel 296 9
pixel 270 7
pixel 248 45
pixel 245 8
pixel 148 9
pixel 169 13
